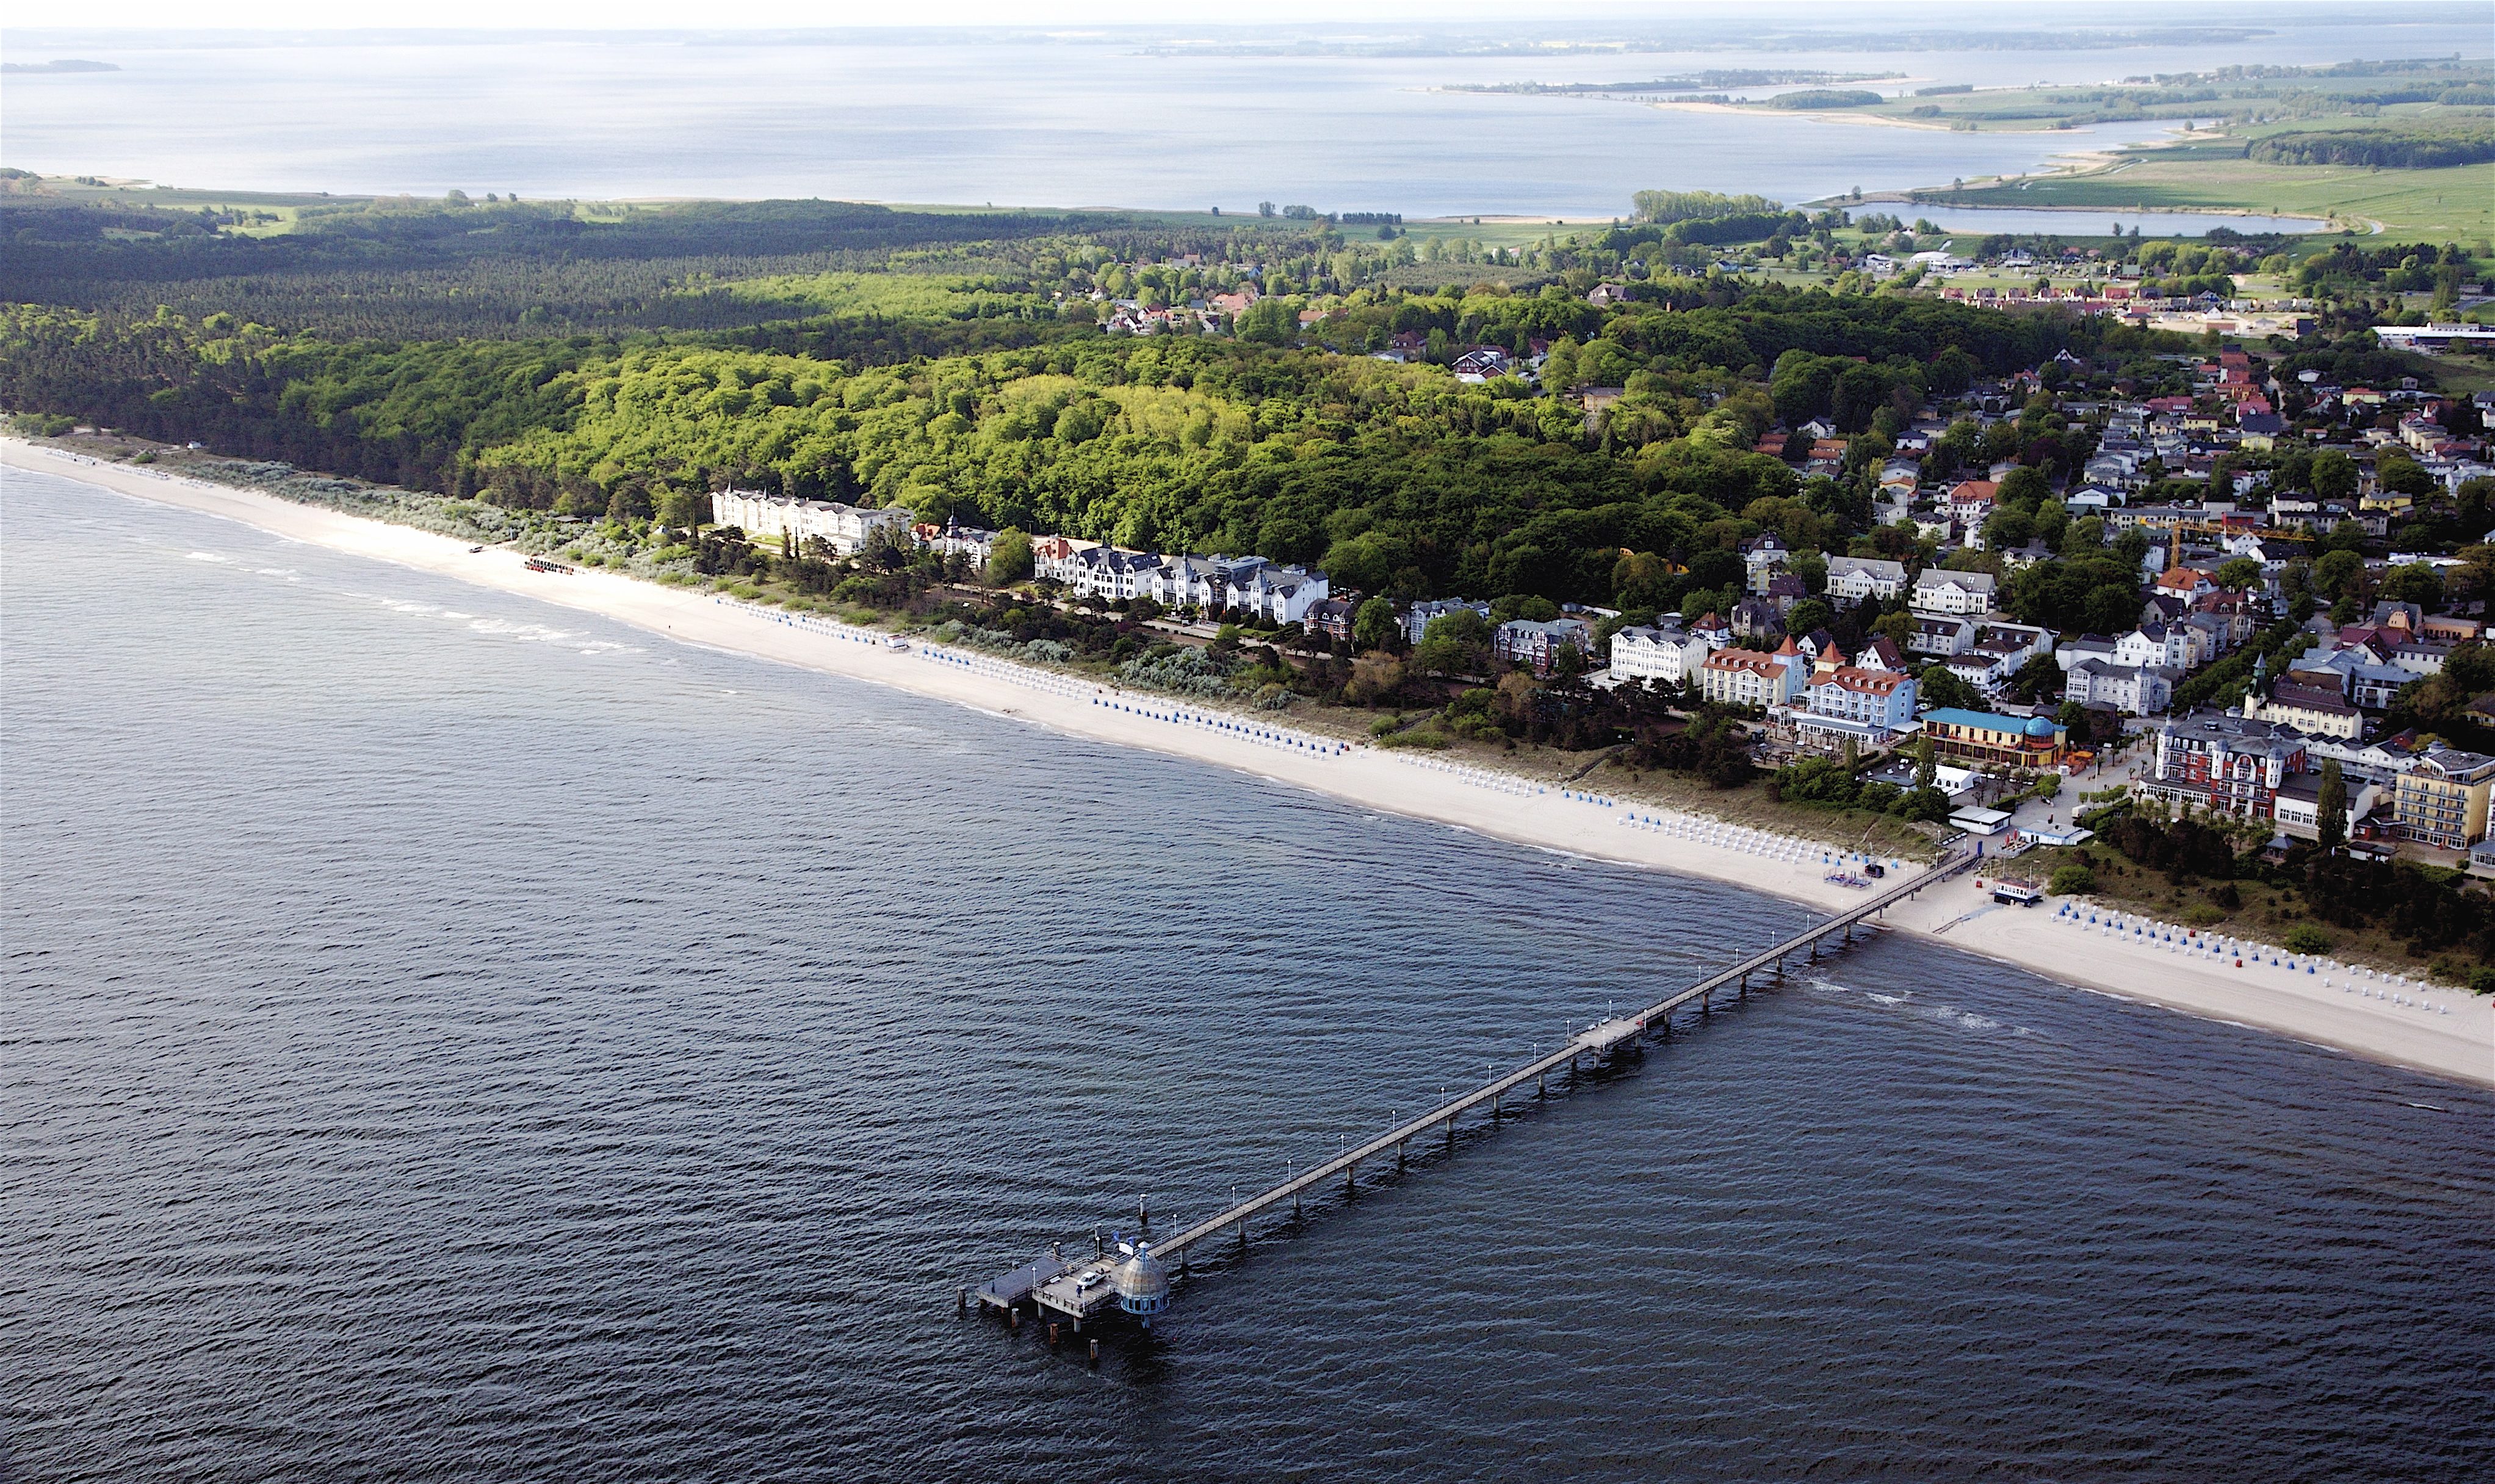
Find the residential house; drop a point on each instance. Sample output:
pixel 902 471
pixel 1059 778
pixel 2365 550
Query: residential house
pixel 2173 648
pixel 1965 593
pixel 1331 618
pixel 2297 808
pixel 1536 644
pixel 1757 618
pixel 2087 647
pixel 2316 709
pixel 2185 582
pixel 953 538
pixel 1970 501
pixel 1055 558
pixel 1941 636
pixel 1416 618
pixel 1762 556
pixel 1783 590
pixel 2133 690
pixel 1853 580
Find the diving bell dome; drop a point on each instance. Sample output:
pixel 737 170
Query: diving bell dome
pixel 1143 1284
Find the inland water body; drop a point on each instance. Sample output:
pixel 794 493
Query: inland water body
pixel 444 1036
pixel 1078 121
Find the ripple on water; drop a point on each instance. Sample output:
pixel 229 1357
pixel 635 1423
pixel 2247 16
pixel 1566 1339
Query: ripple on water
pixel 433 1056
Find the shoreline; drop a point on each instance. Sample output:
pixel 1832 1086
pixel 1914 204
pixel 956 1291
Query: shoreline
pixel 2459 1045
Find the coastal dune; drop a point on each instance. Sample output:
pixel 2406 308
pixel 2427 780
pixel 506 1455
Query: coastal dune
pixel 2452 1037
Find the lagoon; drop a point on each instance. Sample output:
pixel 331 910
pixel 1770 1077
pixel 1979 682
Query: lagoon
pixel 1087 122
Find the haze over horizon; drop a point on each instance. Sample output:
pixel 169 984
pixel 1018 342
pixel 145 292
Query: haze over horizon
pixel 48 16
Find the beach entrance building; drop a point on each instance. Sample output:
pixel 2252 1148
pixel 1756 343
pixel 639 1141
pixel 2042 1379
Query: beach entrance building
pixel 1985 737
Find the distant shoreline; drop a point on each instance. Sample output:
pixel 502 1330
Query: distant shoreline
pixel 2459 1046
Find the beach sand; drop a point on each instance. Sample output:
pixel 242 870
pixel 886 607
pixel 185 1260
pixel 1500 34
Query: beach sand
pixel 2459 1044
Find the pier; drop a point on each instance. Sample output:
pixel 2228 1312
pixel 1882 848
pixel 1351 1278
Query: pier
pixel 1080 1287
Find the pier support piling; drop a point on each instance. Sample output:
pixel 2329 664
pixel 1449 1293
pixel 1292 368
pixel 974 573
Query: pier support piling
pixel 961 1301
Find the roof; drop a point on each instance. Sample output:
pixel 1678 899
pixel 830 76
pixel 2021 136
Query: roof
pixel 1972 581
pixel 1869 682
pixel 1753 661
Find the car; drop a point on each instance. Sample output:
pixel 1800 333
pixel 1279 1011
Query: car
pixel 1089 1282
pixel 896 643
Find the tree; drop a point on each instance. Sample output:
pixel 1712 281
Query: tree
pixel 1939 686
pixel 1926 768
pixel 2417 583
pixel 2240 574
pixel 2072 880
pixel 681 509
pixel 2331 811
pixel 1454 643
pixel 2336 574
pixel 1374 626
pixel 2334 475
pixel 1009 559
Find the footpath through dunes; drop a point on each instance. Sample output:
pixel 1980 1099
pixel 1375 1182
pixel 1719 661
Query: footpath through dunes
pixel 2460 1045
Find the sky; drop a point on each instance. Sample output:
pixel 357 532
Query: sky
pixel 672 15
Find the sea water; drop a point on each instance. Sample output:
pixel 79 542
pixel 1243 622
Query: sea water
pixel 447 1035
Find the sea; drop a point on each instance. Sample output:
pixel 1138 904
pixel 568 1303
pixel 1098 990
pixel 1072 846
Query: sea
pixel 1075 119
pixel 447 1036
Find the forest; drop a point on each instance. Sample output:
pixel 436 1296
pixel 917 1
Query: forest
pixel 1395 477
pixel 2378 148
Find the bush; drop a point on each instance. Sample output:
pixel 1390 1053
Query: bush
pixel 2072 880
pixel 2203 915
pixel 2305 937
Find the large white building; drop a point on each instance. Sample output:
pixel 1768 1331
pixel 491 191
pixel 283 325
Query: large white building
pixel 848 527
pixel 1664 653
pixel 1852 580
pixel 2135 690
pixel 1215 584
pixel 1750 677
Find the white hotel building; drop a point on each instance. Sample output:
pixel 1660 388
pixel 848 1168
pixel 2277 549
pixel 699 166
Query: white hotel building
pixel 848 527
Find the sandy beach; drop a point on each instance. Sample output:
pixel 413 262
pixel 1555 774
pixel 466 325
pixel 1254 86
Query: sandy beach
pixel 2451 1034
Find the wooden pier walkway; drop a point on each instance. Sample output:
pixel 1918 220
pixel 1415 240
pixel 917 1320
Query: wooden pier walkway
pixel 1076 1289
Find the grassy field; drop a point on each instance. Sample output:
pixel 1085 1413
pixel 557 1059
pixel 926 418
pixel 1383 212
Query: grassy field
pixel 2456 204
